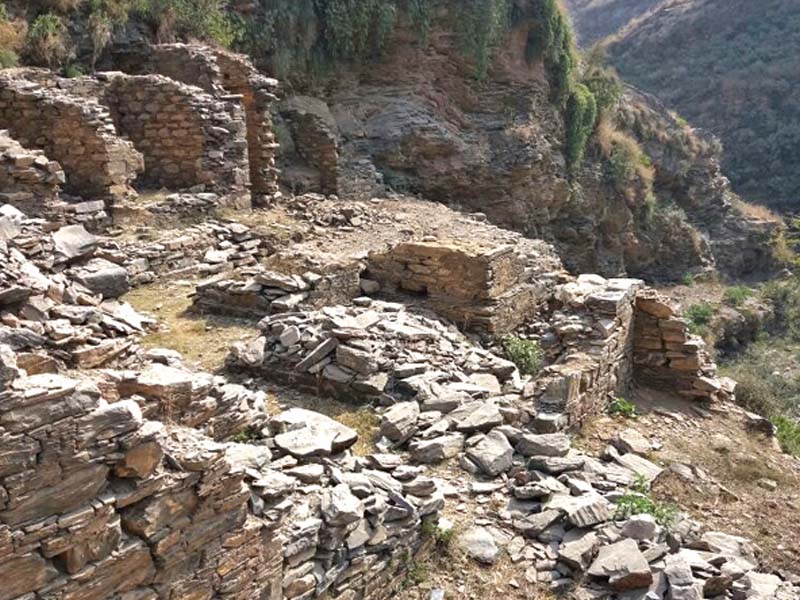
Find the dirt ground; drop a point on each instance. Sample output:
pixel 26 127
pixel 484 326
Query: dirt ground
pixel 730 462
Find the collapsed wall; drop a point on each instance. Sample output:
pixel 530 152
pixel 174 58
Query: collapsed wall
pixel 181 137
pixel 668 357
pixel 106 492
pixel 224 75
pixel 80 135
pixel 29 181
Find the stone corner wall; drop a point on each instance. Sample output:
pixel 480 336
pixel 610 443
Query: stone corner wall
pixel 80 135
pixel 224 75
pixel 667 356
pixel 488 288
pixel 188 137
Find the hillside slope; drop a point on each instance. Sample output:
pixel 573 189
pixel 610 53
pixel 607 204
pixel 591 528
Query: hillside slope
pixel 595 20
pixel 495 117
pixel 729 66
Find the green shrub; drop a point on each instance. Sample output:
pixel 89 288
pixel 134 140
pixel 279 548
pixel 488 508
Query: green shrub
pixel 526 354
pixel 784 299
pixel 442 537
pixel 581 115
pixel 201 19
pixel 73 70
pixel 48 42
pixel 421 13
pixel 688 279
pixel 638 500
pixel 788 433
pixel 736 295
pixel 553 41
pixel 623 408
pixel 602 81
pixel 699 316
pixel 246 436
pixel 8 58
pixel 481 24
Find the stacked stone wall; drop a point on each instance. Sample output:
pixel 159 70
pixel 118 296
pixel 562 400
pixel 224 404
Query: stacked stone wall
pixel 188 138
pixel 224 75
pixel 80 135
pixel 489 289
pixel 668 357
pixel 29 181
pixel 593 332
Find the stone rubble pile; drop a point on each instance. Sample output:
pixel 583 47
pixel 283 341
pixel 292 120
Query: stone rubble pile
pixel 57 301
pixel 375 351
pixel 562 523
pixel 29 181
pixel 97 499
pixel 328 211
pixel 257 292
pixel 206 248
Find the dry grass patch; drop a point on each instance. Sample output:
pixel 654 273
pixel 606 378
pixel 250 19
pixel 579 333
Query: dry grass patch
pixel 201 338
pixel 756 211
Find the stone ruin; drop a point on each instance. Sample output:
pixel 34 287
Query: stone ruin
pixel 28 179
pixel 224 75
pixel 127 474
pixel 182 118
pixel 487 288
pixel 79 135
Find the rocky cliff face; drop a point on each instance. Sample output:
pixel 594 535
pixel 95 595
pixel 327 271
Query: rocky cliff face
pixel 495 145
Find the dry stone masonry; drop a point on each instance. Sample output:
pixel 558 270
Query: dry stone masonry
pixel 80 135
pixel 128 474
pixel 489 288
pixel 28 179
pixel 226 76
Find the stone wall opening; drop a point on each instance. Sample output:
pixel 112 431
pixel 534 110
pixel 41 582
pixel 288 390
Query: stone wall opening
pixel 188 137
pixel 226 76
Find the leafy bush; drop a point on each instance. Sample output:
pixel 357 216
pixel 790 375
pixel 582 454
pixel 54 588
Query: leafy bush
pixel 784 298
pixel 736 295
pixel 48 42
pixel 201 19
pixel 602 81
pixel 638 500
pixel 788 433
pixel 481 24
pixel 554 42
pixel 526 354
pixel 581 115
pixel 688 279
pixel 8 58
pixel 699 316
pixel 623 408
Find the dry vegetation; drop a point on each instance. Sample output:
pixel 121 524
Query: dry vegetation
pixel 201 339
pixel 729 461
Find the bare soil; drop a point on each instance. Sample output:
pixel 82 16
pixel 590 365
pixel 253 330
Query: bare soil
pixel 730 462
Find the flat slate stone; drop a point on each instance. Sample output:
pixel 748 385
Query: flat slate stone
pixel 309 433
pixel 623 565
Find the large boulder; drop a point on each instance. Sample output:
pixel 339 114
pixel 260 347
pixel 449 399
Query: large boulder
pixel 103 277
pixel 72 242
pixel 492 454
